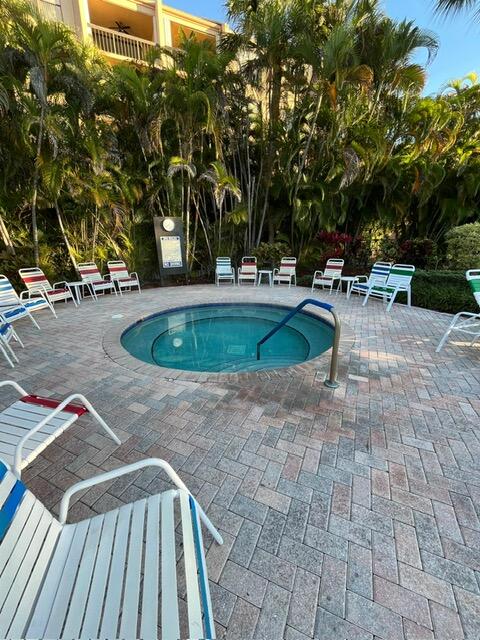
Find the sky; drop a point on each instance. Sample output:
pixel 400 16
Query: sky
pixel 459 35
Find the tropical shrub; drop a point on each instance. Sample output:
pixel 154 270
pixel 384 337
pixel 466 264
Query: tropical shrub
pixel 420 252
pixel 269 254
pixel 463 247
pixel 446 291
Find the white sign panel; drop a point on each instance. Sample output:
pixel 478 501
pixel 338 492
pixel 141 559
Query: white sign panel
pixel 171 252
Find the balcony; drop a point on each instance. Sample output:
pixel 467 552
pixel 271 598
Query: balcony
pixel 121 45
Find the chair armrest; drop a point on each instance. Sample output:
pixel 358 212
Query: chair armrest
pixel 317 273
pixel 129 468
pixel 75 396
pixel 360 278
pixel 275 271
pixel 15 385
pixel 134 274
pixel 62 282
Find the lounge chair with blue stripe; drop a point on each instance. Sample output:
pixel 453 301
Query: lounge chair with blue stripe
pixel 115 575
pixel 7 334
pixel 399 281
pixel 12 307
pixel 465 322
pixel 31 423
pixel 378 276
pixel 224 272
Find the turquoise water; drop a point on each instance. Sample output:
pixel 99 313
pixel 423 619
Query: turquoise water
pixel 223 338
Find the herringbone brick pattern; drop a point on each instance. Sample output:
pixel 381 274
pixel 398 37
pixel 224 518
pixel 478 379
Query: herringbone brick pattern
pixel 352 514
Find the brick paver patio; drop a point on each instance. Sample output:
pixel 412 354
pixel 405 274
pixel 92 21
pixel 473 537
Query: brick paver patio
pixel 350 514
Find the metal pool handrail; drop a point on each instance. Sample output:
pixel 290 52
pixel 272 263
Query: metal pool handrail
pixel 331 381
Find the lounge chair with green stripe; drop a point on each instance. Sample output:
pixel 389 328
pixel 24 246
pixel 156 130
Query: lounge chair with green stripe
pixel 116 575
pixel 399 281
pixel 466 322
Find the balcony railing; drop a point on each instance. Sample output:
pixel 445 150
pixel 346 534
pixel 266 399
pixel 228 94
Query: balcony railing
pixel 121 44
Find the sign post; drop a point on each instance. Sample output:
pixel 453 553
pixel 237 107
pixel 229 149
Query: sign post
pixel 169 238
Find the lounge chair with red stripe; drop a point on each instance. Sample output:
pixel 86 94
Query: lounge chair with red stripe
pixel 287 272
pixel 96 283
pixel 7 334
pixel 31 423
pixel 115 575
pixel 332 273
pixel 38 286
pixel 399 281
pixel 248 270
pixel 13 308
pixel 121 277
pixel 378 276
pixel 465 322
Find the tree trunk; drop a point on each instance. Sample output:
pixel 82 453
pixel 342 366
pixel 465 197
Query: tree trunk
pixel 274 117
pixel 36 179
pixel 64 235
pixel 6 237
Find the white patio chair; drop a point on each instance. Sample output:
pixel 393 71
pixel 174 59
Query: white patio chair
pixel 31 423
pixel 111 576
pixel 399 280
pixel 378 276
pixel 95 282
pixel 466 322
pixel 224 271
pixel 13 308
pixel 7 334
pixel 286 273
pixel 333 272
pixel 38 286
pixel 120 276
pixel 248 270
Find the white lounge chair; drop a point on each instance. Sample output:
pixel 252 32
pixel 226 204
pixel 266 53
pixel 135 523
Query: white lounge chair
pixel 103 577
pixel 327 278
pixel 224 271
pixel 248 270
pixel 96 283
pixel 466 322
pixel 378 276
pixel 399 281
pixel 7 334
pixel 12 307
pixel 31 423
pixel 120 276
pixel 287 272
pixel 38 286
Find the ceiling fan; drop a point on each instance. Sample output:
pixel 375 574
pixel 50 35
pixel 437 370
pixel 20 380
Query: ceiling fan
pixel 121 27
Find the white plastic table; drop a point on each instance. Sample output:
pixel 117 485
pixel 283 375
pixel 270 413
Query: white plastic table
pixel 349 280
pixel 266 272
pixel 77 288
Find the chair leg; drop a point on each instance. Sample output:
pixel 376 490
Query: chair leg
pixel 17 339
pixel 33 320
pixel 4 351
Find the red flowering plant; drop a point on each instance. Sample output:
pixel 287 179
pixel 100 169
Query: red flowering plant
pixel 333 243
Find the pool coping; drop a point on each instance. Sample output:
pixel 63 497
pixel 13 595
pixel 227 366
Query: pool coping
pixel 317 367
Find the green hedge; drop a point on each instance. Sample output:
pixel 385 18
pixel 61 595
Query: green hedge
pixel 446 291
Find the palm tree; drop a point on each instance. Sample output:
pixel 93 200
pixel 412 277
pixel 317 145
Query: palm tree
pixel 453 6
pixel 223 184
pixel 45 55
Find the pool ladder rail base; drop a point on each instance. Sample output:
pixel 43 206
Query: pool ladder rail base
pixel 331 382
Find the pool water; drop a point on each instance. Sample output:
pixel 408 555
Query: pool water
pixel 223 338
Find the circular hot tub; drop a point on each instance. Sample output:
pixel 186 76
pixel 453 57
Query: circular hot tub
pixel 224 337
